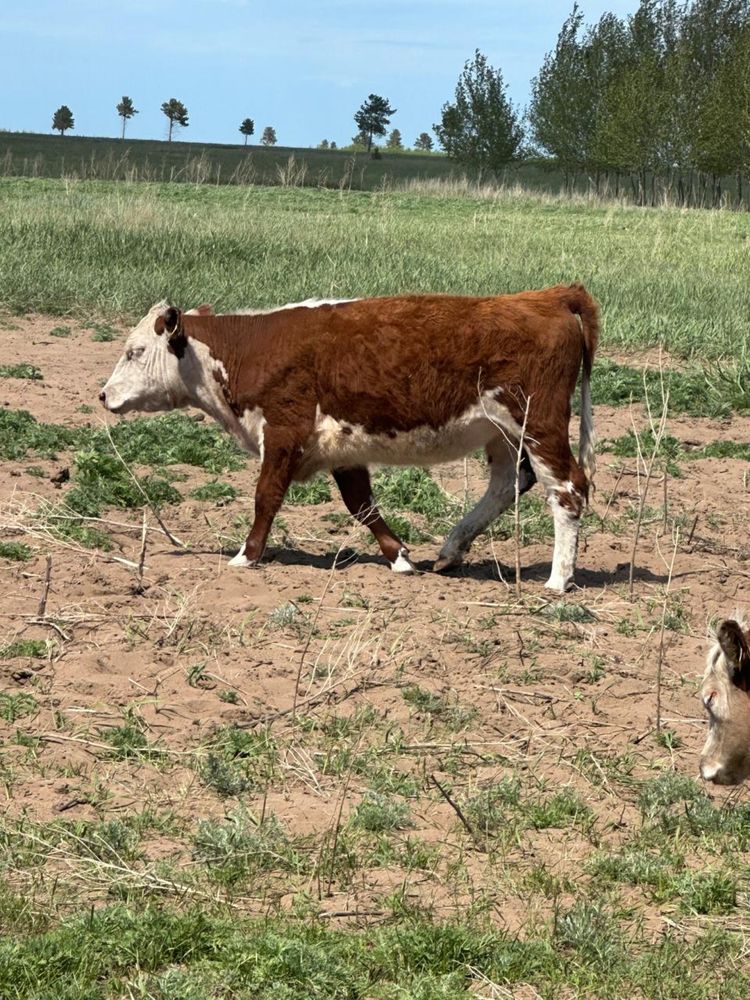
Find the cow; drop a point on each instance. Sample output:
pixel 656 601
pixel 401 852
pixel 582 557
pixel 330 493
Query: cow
pixel 405 380
pixel 725 693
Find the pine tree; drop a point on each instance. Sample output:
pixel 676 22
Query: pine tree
pixel 125 110
pixel 269 136
pixel 177 114
pixel 394 140
pixel 423 142
pixel 247 128
pixel 62 120
pixel 373 117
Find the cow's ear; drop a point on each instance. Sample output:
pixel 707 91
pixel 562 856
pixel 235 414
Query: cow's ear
pixel 202 310
pixel 734 646
pixel 170 322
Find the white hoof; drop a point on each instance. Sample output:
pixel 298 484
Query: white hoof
pixel 240 559
pixel 559 585
pixel 403 564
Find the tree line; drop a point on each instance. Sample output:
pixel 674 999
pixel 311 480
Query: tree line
pixel 655 102
pixel 175 111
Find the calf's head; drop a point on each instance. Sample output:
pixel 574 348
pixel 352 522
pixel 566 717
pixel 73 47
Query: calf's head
pixel 725 693
pixel 148 376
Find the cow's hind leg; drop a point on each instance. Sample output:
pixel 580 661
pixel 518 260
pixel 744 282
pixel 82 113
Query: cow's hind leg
pixel 500 494
pixel 567 490
pixel 356 492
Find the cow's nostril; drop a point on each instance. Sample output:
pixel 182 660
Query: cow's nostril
pixel 102 396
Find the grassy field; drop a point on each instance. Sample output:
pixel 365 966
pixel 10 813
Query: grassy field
pixel 670 278
pixel 29 155
pixel 317 781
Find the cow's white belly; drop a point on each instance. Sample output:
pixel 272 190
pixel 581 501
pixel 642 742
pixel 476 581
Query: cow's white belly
pixel 340 444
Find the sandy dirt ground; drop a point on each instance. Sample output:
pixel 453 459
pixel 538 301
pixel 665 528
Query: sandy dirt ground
pixel 323 629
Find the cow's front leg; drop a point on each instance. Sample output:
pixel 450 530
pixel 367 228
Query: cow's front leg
pixel 275 477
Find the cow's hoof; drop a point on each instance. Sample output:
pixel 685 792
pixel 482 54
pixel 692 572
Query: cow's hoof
pixel 559 586
pixel 241 559
pixel 443 563
pixel 402 563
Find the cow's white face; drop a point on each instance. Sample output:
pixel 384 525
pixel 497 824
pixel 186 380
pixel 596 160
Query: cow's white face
pixel 725 693
pixel 147 376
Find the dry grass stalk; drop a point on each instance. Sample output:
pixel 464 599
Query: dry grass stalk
pixel 517 499
pixel 173 539
pixel 658 429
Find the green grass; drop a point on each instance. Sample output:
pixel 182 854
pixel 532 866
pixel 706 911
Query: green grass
pixel 215 491
pixel 162 954
pixel 23 370
pixel 60 331
pixel 15 551
pixel 24 647
pixel 16 706
pixel 666 277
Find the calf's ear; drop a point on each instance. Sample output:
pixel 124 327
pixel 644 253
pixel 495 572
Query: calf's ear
pixel 202 310
pixel 170 322
pixel 735 649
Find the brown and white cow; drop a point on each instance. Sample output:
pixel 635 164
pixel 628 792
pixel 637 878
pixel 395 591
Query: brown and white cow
pixel 725 693
pixel 407 380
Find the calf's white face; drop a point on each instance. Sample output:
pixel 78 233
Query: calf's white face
pixel 147 376
pixel 725 693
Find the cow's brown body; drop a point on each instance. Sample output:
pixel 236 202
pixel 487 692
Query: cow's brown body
pixel 402 380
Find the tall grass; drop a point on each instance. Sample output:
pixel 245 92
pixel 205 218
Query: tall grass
pixel 675 278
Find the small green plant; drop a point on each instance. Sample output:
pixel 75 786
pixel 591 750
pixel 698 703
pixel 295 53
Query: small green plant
pixel 707 892
pixel 129 742
pixel 15 551
pixel 488 809
pixel 561 810
pixel 589 929
pixel 16 706
pixel 239 761
pixel 35 470
pixel 669 739
pixel 101 481
pixel 103 333
pixel 60 331
pixel 23 370
pixel 38 648
pixel 110 840
pixel 240 847
pixel 316 491
pixel 228 696
pixel 379 813
pixel 216 491
pixel 666 790
pixel 567 611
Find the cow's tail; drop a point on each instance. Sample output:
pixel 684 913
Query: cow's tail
pixel 586 310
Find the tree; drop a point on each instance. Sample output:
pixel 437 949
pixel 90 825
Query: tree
pixel 62 119
pixel 481 128
pixel 247 128
pixel 394 140
pixel 423 142
pixel 324 144
pixel 269 136
pixel 373 117
pixel 359 141
pixel 177 114
pixel 125 110
pixel 333 145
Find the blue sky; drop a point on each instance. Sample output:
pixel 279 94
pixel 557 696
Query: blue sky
pixel 302 67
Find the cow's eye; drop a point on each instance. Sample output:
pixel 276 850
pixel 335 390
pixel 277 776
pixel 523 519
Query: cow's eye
pixel 134 352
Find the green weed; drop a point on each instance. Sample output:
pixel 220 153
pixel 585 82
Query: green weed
pixel 16 706
pixel 22 370
pixel 25 647
pixel 15 551
pixel 103 333
pixel 316 491
pixel 378 813
pixel 60 331
pixel 215 491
